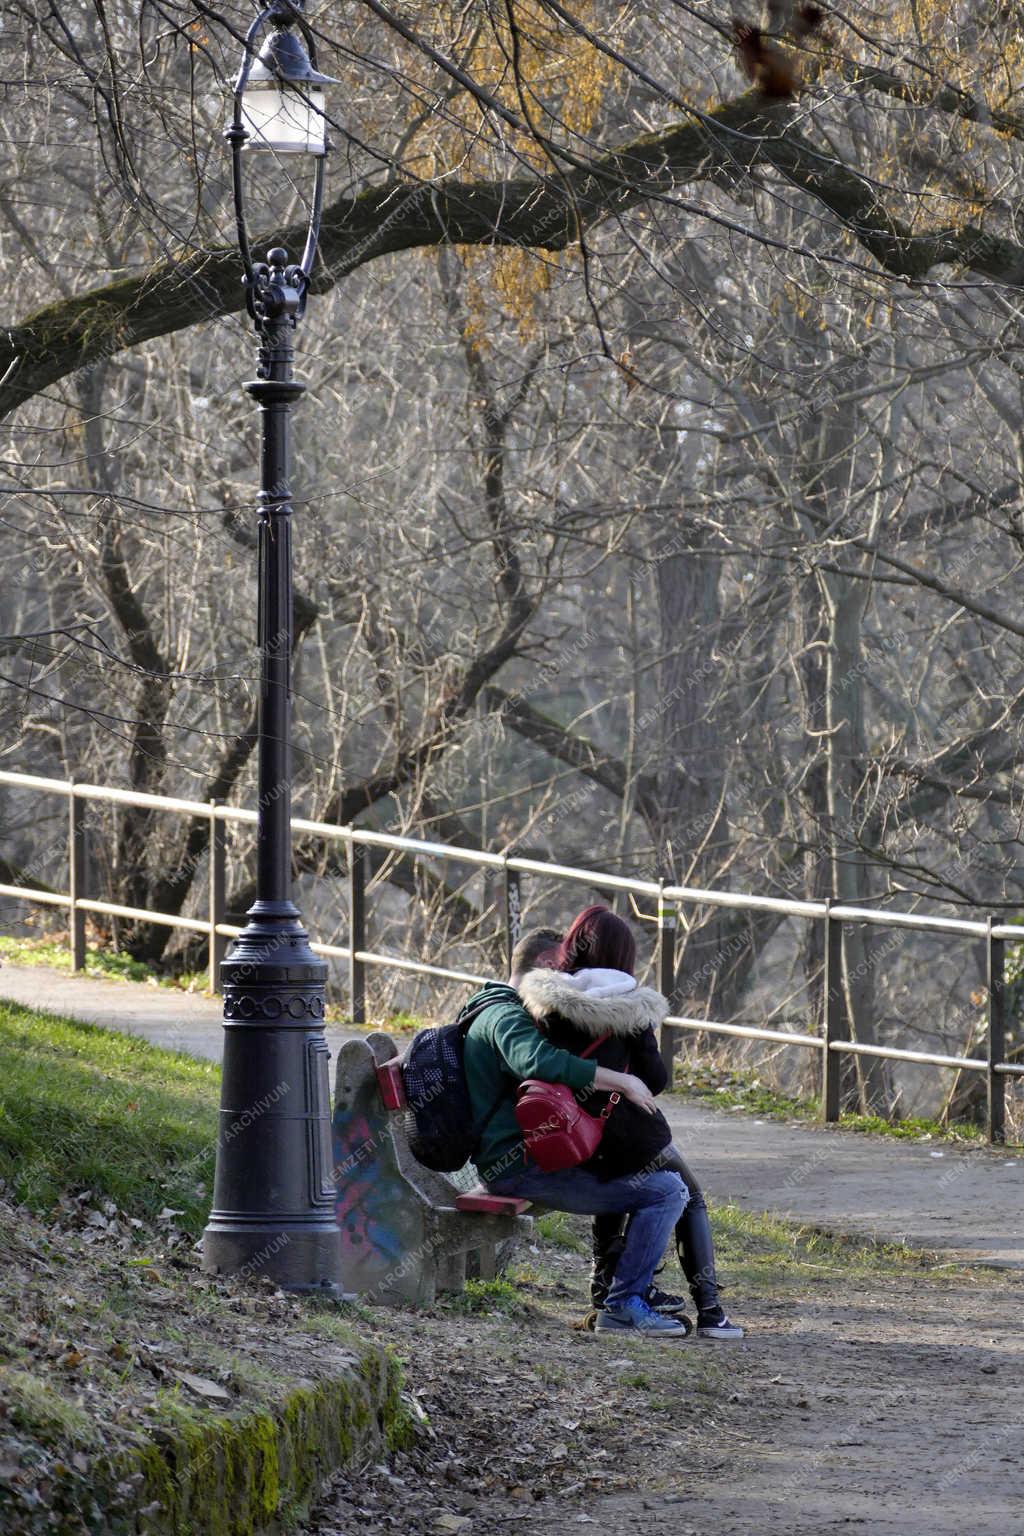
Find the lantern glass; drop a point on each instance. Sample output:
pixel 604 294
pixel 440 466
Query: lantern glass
pixel 287 119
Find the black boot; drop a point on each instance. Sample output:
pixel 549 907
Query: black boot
pixel 608 1242
pixel 697 1253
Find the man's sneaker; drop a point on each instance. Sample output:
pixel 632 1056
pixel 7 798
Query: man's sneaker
pixel 665 1303
pixel 635 1316
pixel 715 1325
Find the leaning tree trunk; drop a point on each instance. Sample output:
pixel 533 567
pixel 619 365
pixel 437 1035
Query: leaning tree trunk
pixel 693 834
pixel 829 440
pixel 852 884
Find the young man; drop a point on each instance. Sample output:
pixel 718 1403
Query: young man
pixel 504 1048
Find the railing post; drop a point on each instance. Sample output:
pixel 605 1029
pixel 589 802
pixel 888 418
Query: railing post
pixel 996 1037
pixel 77 877
pixel 218 895
pixel 356 931
pixel 667 976
pixel 513 911
pixel 832 1061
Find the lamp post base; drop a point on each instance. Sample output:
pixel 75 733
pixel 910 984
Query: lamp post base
pixel 285 1258
pixel 274 1197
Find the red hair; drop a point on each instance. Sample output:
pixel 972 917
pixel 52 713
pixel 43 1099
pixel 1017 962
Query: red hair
pixel 597 938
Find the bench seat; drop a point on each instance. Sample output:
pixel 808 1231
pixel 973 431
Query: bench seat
pixel 491 1205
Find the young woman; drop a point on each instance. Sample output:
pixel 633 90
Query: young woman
pixel 591 994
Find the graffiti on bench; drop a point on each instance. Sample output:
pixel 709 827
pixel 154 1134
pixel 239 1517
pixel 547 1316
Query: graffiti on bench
pixel 403 1237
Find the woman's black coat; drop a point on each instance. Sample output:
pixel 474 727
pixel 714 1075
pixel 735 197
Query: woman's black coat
pixel 574 1019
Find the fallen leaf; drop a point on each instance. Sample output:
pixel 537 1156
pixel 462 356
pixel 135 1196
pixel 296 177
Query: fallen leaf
pixel 203 1387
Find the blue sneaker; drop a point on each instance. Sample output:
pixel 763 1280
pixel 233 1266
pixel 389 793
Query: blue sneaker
pixel 634 1316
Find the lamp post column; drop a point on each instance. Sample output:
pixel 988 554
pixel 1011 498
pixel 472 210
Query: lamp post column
pixel 273 1202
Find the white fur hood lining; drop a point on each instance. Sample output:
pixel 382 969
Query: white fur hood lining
pixel 592 1001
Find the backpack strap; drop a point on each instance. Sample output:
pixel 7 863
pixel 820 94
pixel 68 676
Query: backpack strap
pixel 593 1047
pixel 466 1017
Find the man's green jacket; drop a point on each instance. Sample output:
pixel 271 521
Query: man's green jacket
pixel 503 1048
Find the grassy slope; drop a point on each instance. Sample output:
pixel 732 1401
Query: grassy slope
pixel 85 1109
pixel 103 1310
pixel 53 951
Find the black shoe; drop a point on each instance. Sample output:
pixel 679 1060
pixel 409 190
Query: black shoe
pixel 668 1305
pixel 715 1325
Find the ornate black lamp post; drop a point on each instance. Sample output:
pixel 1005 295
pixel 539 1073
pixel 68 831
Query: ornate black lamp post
pixel 273 1202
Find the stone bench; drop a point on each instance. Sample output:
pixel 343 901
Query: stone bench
pixel 407 1233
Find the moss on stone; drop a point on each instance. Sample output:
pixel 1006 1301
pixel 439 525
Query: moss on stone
pixel 228 1474
pixel 243 1473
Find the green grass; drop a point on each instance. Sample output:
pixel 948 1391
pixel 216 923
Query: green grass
pixel 727 1089
pixel 37 1408
pixel 913 1128
pixel 498 1295
pixel 766 1253
pixel 561 1231
pixel 83 1108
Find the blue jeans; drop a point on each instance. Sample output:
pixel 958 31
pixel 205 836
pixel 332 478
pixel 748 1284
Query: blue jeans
pixel 654 1200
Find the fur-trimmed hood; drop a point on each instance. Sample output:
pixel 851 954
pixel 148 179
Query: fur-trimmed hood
pixel 592 1001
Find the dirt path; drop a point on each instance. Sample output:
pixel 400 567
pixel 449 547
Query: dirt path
pixel 887 1400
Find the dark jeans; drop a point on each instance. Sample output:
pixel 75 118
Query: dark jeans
pixel 692 1236
pixel 652 1202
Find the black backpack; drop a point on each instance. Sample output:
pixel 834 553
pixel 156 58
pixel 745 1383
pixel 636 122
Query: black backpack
pixel 441 1130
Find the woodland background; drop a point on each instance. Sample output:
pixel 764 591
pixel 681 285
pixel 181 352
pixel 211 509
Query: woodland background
pixel 658 487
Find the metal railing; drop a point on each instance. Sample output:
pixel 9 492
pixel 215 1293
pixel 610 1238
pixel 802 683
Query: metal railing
pixel 831 1042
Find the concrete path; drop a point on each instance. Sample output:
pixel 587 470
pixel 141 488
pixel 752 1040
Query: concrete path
pixel 965 1203
pixel 165 1016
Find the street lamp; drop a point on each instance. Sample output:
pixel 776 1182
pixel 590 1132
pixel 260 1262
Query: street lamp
pixel 273 1199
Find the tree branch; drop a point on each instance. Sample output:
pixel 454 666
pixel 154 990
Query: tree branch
pixel 566 747
pixel 545 213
